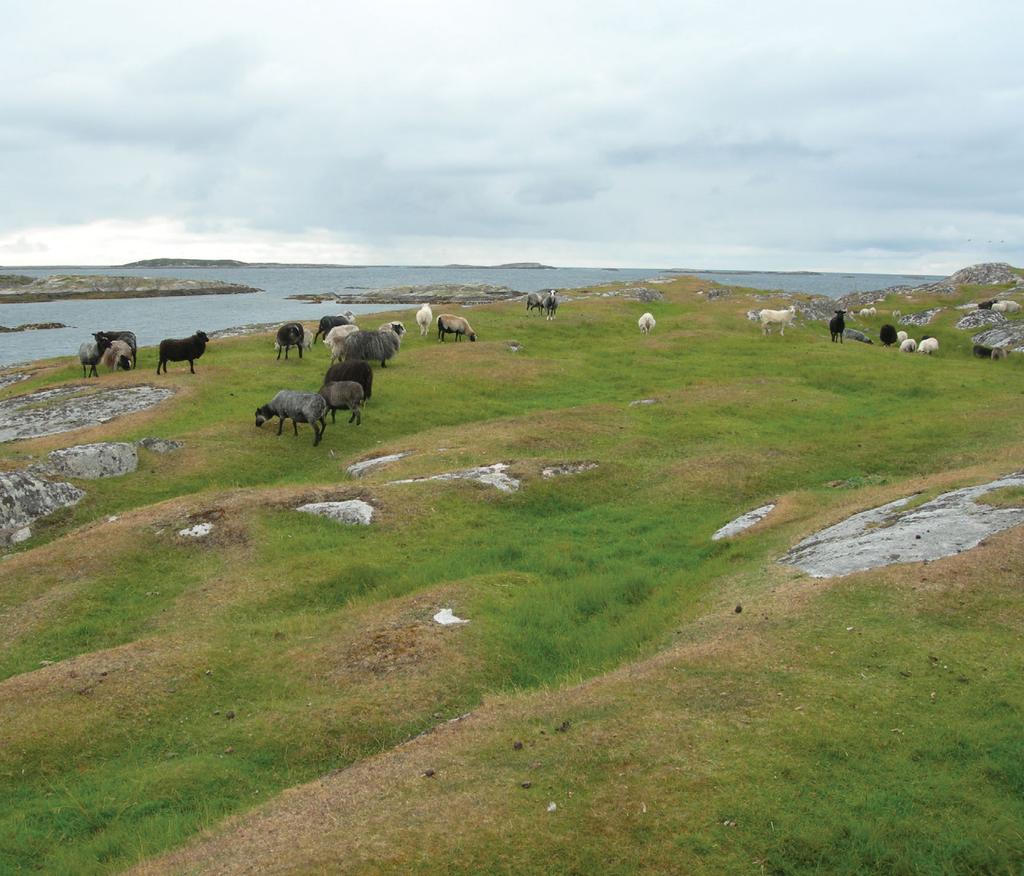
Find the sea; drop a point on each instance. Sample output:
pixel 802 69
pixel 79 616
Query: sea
pixel 153 319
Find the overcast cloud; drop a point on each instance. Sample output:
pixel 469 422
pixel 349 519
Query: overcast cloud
pixel 833 136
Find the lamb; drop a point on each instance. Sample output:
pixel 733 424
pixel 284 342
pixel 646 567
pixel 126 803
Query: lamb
pixel 181 349
pixel 782 318
pixel 928 346
pixel 551 304
pixel 299 407
pixel 887 335
pixel 908 346
pixel 354 369
pixel 334 340
pixel 646 323
pixel 424 319
pixel 371 346
pixel 104 338
pixel 1006 307
pixel 329 322
pixel 535 301
pixel 89 355
pixel 343 395
pixel 454 325
pixel 291 334
pixel 117 355
pixel 837 325
pixel 901 336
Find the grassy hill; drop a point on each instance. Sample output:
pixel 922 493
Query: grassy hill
pixel 268 686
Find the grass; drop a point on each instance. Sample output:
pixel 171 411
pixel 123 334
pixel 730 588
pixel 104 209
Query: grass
pixel 596 597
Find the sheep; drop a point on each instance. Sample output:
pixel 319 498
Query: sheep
pixel 867 311
pixel 291 334
pixel 354 369
pixel 646 323
pixel 396 327
pixel 908 346
pixel 371 346
pixel 999 353
pixel 887 335
pixel 329 322
pixel 782 318
pixel 986 305
pixel 982 352
pixel 117 355
pixel 299 407
pixel 837 325
pixel 454 325
pixel 928 346
pixel 901 336
pixel 1006 307
pixel 896 314
pixel 334 340
pixel 535 301
pixel 551 304
pixel 104 338
pixel 424 319
pixel 89 355
pixel 181 349
pixel 343 395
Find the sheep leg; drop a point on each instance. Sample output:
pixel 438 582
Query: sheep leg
pixel 300 350
pixel 280 424
pixel 332 416
pixel 356 415
pixel 782 330
pixel 383 364
pixel 279 353
pixel 191 367
pixel 317 433
pixel 295 426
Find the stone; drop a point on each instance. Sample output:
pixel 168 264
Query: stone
pixel 200 530
pixel 358 469
pixel 492 475
pixel 949 524
pixel 1010 336
pixel 25 498
pixel 447 618
pixel 159 445
pixel 554 471
pixel 643 401
pixel 352 511
pixel 978 318
pixel 744 521
pixel 922 318
pixel 9 379
pixel 854 335
pixel 93 461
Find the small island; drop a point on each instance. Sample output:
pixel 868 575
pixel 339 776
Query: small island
pixel 433 293
pixel 18 289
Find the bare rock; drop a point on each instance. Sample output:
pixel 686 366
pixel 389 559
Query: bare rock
pixel 492 475
pixel 354 512
pixel 922 318
pixel 24 498
pixel 554 471
pixel 93 461
pixel 744 521
pixel 358 469
pixel 159 445
pixel 977 318
pixel 1009 336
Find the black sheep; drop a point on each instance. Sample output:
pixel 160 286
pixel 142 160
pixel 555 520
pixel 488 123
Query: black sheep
pixel 982 352
pixel 837 325
pixel 356 370
pixel 182 349
pixel 986 305
pixel 887 335
pixel 291 334
pixel 329 322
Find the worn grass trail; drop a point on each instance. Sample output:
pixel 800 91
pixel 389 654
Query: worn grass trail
pixel 123 664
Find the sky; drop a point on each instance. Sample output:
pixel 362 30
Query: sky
pixel 844 136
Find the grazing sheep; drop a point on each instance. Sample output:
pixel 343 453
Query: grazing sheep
pixel 117 355
pixel 781 318
pixel 1006 307
pixel 291 334
pixel 855 335
pixel 334 340
pixel 395 327
pixel 344 395
pixel 371 346
pixel 986 305
pixel 901 336
pixel 887 335
pixel 646 323
pixel 105 337
pixel 182 349
pixel 329 322
pixel 353 369
pixel 535 301
pixel 999 353
pixel 908 346
pixel 837 325
pixel 981 351
pixel 299 407
pixel 867 311
pixel 89 355
pixel 424 319
pixel 551 304
pixel 896 314
pixel 928 346
pixel 454 325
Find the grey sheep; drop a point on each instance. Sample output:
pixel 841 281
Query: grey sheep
pixel 342 395
pixel 376 346
pixel 535 301
pixel 299 407
pixel 89 355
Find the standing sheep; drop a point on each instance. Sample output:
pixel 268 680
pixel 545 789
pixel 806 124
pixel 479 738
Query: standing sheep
pixel 291 334
pixel 396 327
pixel 646 323
pixel 89 356
pixel 329 322
pixel 535 301
pixel 354 369
pixel 299 407
pixel 837 325
pixel 781 318
pixel 454 325
pixel 371 346
pixel 896 314
pixel 334 340
pixel 1006 307
pixel 181 349
pixel 343 395
pixel 551 304
pixel 908 346
pixel 867 311
pixel 424 319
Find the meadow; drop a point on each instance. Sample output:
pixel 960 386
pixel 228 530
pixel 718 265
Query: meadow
pixel 277 698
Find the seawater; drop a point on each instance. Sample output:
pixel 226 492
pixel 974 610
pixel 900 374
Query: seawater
pixel 155 318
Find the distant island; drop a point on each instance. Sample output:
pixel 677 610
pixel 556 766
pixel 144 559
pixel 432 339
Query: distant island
pixel 508 265
pixel 234 263
pixel 19 289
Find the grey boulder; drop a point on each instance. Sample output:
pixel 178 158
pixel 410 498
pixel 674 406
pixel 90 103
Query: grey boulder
pixel 93 461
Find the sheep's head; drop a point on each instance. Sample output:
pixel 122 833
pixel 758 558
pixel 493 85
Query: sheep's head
pixel 840 313
pixel 262 415
pixel 472 336
pixel 124 363
pixel 103 340
pixel 201 337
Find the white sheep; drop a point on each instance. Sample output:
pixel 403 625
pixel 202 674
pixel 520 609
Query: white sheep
pixel 928 346
pixel 335 340
pixel 424 319
pixel 901 337
pixel 646 323
pixel 867 311
pixel 908 346
pixel 781 318
pixel 896 314
pixel 1006 307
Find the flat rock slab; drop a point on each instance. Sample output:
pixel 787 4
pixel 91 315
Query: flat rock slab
pixel 159 445
pixel 358 469
pixel 9 379
pixel 24 498
pixel 1010 336
pixel 744 521
pixel 355 512
pixel 948 524
pixel 978 318
pixel 492 475
pixel 566 468
pixel 51 411
pixel 854 335
pixel 92 461
pixel 922 318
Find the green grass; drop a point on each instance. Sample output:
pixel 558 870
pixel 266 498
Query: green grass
pixel 317 636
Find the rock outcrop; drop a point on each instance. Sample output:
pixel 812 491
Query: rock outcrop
pixel 94 461
pixel 358 469
pixel 82 286
pixel 977 318
pixel 743 522
pixel 24 498
pixel 354 512
pixel 492 475
pixel 1010 336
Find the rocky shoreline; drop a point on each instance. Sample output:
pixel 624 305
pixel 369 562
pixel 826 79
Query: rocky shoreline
pixel 32 327
pixel 432 293
pixel 16 289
